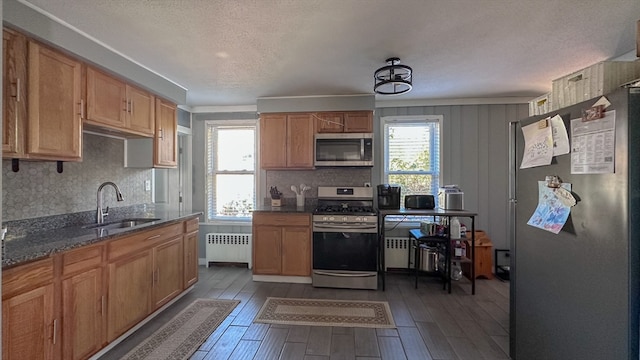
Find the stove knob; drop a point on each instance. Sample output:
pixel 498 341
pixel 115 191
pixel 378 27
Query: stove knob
pixel 324 218
pixel 364 219
pixel 344 219
pixel 359 219
pixel 331 218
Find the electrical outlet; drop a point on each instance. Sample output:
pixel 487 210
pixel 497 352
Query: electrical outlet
pixel 147 185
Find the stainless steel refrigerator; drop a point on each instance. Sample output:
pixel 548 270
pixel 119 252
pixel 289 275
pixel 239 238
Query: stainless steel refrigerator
pixel 575 294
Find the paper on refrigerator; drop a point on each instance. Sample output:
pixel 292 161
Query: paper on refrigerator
pixel 594 145
pixel 560 136
pixel 538 145
pixel 552 211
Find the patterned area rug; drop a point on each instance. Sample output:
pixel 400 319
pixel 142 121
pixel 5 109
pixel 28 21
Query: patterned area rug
pixel 182 335
pixel 315 312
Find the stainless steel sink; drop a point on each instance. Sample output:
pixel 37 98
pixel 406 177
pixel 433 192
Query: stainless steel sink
pixel 126 223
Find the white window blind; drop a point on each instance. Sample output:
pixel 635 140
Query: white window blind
pixel 231 175
pixel 412 154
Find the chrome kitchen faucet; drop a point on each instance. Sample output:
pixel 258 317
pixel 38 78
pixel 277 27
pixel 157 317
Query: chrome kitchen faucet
pixel 100 214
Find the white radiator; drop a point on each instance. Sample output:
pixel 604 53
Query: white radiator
pixel 396 252
pixel 234 248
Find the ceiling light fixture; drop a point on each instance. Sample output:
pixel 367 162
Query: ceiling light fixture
pixel 393 79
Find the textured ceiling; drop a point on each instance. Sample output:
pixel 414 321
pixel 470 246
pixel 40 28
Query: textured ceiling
pixel 228 52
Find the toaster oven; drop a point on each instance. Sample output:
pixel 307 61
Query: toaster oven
pixel 419 202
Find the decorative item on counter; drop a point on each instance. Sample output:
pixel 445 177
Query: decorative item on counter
pixel 275 196
pixel 300 193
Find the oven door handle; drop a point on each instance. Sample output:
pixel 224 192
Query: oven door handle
pixel 345 227
pixel 344 274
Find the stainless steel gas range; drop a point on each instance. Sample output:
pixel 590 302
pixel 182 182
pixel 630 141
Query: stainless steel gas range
pixel 345 241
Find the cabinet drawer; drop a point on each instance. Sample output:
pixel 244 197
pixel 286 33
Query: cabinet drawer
pixel 191 225
pixel 143 240
pixel 24 277
pixel 282 219
pixel 81 259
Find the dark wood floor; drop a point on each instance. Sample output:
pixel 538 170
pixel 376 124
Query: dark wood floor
pixel 431 324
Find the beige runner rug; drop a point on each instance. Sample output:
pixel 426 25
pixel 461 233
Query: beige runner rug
pixel 182 335
pixel 319 312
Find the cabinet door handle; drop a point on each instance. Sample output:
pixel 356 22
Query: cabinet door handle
pixel 126 105
pixel 155 276
pixel 81 112
pixel 17 90
pixel 153 237
pixel 161 134
pixel 55 331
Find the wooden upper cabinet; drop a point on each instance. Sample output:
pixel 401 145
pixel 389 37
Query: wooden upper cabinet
pixel 286 141
pixel 300 141
pixel 165 153
pixel 106 99
pixel 54 105
pixel 347 122
pixel 273 141
pixel 329 122
pixel 118 105
pixel 358 121
pixel 141 114
pixel 14 95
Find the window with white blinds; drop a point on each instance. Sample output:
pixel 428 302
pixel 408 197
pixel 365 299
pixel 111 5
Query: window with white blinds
pixel 412 154
pixel 231 169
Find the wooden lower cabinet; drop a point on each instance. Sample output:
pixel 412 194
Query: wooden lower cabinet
pixel 83 312
pixel 71 305
pixel 30 315
pixel 282 244
pixel 296 251
pixel 168 271
pixel 83 302
pixel 129 292
pixel 30 329
pixel 267 242
pixel 190 258
pixel 484 261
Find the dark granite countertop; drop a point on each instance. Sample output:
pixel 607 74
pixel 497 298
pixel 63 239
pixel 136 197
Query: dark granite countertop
pixel 33 245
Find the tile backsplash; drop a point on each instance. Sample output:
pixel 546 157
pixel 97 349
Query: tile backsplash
pixel 283 179
pixel 39 190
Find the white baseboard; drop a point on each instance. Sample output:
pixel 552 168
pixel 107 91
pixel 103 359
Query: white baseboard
pixel 202 261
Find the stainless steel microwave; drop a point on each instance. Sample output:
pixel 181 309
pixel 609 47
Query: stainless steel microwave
pixel 344 149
